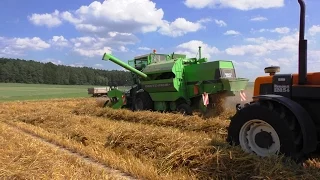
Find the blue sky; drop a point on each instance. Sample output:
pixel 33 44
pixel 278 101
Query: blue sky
pixel 253 34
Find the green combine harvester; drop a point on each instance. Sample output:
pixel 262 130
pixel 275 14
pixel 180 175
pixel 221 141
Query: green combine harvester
pixel 173 82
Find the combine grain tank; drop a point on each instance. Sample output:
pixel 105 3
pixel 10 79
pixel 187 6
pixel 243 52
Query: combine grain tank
pixel 173 82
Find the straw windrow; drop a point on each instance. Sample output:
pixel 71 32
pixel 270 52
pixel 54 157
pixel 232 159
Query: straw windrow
pixel 190 123
pixel 155 145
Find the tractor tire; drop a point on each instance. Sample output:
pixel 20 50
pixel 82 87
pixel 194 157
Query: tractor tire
pixel 266 128
pixel 184 109
pixel 143 102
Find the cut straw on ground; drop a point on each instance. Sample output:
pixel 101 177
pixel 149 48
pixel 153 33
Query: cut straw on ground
pixel 190 123
pixel 150 149
pixel 27 158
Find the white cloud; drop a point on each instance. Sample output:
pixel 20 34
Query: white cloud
pixel 34 43
pixel 313 56
pixel 59 41
pixel 259 18
pixel 245 64
pixel 253 66
pixel 191 49
pixel 49 20
pixel 67 16
pixel 247 49
pixel 221 23
pixel 280 30
pixel 144 48
pixel 256 40
pixel 123 49
pixel 76 65
pixel 313 60
pixel 116 15
pixel 98 66
pixel 263 46
pixel 92 52
pixel 180 27
pixel 90 46
pixel 278 62
pixel 271 62
pixel 315 29
pixel 17 46
pixel 54 61
pixel 237 4
pixel 120 16
pixel 232 32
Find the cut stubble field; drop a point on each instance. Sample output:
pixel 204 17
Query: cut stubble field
pixel 140 145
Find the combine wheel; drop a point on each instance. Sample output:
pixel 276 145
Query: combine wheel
pixel 266 128
pixel 184 109
pixel 143 102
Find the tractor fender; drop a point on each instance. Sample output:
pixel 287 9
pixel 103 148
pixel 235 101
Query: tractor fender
pixel 308 128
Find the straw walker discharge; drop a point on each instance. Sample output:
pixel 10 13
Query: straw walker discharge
pixel 173 82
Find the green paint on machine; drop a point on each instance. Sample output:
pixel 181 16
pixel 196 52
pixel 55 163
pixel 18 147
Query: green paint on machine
pixel 170 82
pixel 161 85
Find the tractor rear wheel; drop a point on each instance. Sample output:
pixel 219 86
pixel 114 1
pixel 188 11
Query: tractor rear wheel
pixel 266 128
pixel 143 102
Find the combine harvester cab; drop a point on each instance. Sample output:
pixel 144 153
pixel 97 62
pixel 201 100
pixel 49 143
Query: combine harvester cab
pixel 173 82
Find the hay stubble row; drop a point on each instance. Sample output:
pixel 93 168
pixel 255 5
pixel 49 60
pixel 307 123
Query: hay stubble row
pixel 148 145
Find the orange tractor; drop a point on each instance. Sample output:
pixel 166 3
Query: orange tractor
pixel 284 115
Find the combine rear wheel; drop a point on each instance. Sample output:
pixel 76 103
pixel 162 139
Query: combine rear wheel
pixel 184 109
pixel 266 128
pixel 143 102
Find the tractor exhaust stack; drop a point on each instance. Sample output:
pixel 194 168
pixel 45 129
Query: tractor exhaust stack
pixel 302 46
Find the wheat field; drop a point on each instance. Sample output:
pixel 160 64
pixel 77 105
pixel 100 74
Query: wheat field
pixel 74 139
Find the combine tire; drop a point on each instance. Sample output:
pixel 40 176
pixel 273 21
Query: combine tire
pixel 266 128
pixel 184 109
pixel 143 102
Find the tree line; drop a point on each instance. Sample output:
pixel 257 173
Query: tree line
pixel 33 72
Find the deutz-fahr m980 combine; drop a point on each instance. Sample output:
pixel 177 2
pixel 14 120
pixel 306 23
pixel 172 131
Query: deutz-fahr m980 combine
pixel 173 82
